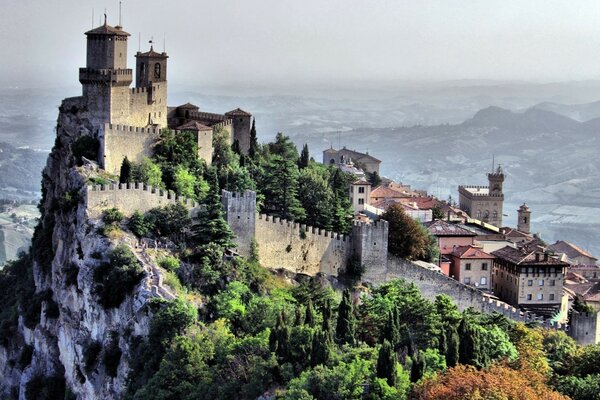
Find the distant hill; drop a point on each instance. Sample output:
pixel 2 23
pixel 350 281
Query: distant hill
pixel 579 112
pixel 20 172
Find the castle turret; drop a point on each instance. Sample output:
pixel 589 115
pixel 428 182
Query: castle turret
pixel 524 213
pixel 496 179
pixel 150 67
pixel 241 128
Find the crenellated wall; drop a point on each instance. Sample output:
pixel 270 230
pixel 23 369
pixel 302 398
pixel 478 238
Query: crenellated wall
pixel 371 247
pixel 300 248
pixel 120 141
pixel 240 213
pixel 129 198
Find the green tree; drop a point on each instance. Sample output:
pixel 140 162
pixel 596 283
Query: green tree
pixel 437 212
pixel 346 321
pixel 284 147
pixel 310 317
pixel 304 157
pixel 210 225
pixel 470 351
pixel 340 204
pixel 148 172
pixel 171 220
pixel 139 225
pixel 315 196
pixel 281 189
pixel 254 150
pixel 184 182
pixel 406 238
pixel 417 367
pixel 453 346
pixel 125 174
pixel 374 178
pixel 387 364
pixel 322 348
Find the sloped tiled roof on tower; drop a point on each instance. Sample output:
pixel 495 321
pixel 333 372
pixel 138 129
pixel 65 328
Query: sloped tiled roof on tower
pixel 238 112
pixel 108 30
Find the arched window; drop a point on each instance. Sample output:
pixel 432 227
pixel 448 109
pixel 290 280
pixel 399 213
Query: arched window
pixel 524 220
pixel 486 214
pixel 332 161
pixel 142 69
pixel 495 215
pixel 157 70
pixel 478 214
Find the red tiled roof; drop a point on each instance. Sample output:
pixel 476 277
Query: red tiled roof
pixel 471 252
pixel 570 250
pixel 383 192
pixel 108 30
pixel 443 228
pixel 238 112
pixel 521 257
pixel 361 182
pixel 193 126
pixel 151 53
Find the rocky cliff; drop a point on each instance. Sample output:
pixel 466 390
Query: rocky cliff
pixel 63 339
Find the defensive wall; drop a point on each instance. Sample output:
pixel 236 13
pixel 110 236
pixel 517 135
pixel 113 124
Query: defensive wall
pixel 584 328
pixel 131 197
pixel 301 248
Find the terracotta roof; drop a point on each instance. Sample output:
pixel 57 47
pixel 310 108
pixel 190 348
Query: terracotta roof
pixel 385 192
pixel 571 250
pixel 384 204
pixel 108 30
pixel 193 126
pixel 356 156
pixel 238 112
pixel 424 203
pixel 361 182
pixel 471 252
pixel 520 257
pixel 443 228
pixel 151 53
pixel 189 106
pixel 511 232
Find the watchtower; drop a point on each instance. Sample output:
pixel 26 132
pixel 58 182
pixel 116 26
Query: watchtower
pixel 150 67
pixel 241 128
pixel 523 224
pixel 496 179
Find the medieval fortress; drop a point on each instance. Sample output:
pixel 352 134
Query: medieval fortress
pixel 128 121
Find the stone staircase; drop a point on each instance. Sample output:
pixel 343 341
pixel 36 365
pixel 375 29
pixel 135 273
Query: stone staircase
pixel 154 281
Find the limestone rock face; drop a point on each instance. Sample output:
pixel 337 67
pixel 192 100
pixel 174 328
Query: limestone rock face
pixel 60 343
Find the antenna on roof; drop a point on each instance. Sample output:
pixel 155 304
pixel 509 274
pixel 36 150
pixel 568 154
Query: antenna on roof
pixel 139 41
pixel 92 17
pixel 105 17
pixel 120 14
pixel 493 163
pixel 164 42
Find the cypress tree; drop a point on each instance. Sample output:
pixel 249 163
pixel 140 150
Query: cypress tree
pixel 322 348
pixel 386 363
pixel 235 147
pixel 417 368
pixel 391 330
pixel 443 342
pixel 470 344
pixel 327 315
pixel 311 315
pixel 304 157
pixel 453 345
pixel 254 151
pixel 345 329
pixel 299 317
pixel 210 226
pixel 279 339
pixel 125 174
pixel 405 339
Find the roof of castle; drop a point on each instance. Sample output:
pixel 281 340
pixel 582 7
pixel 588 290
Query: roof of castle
pixel 193 126
pixel 571 250
pixel 108 30
pixel 471 252
pixel 189 106
pixel 152 53
pixel 238 112
pixel 439 227
pixel 521 257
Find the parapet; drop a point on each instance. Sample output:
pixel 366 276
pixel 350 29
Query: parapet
pixel 130 129
pixel 307 229
pixel 131 188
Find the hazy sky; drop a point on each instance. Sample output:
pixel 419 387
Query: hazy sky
pixel 275 42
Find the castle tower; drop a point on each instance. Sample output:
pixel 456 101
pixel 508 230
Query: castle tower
pixel 241 128
pixel 105 71
pixel 240 214
pixel 496 179
pixel 524 213
pixel 150 67
pixel 150 95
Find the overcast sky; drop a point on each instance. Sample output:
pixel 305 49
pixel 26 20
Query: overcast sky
pixel 280 42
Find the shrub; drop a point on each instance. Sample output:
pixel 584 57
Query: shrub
pixel 118 278
pixel 85 146
pixel 45 388
pixel 90 355
pixel 140 225
pixel 112 356
pixel 68 201
pixel 112 216
pixel 169 263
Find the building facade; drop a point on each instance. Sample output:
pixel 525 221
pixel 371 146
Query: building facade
pixel 484 203
pixel 364 161
pixel 530 280
pixel 472 266
pixel 360 192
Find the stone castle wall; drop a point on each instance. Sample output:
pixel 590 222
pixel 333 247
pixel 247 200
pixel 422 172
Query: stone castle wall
pixel 129 198
pixel 119 141
pixel 300 249
pixel 584 328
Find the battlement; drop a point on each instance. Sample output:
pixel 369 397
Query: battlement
pixel 133 129
pixel 131 197
pixel 473 191
pixel 223 124
pixel 117 77
pixel 206 116
pixel 138 90
pixel 298 228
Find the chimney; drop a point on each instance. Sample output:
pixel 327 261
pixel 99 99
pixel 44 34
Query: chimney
pixel 537 256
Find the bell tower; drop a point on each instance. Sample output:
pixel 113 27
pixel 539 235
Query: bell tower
pixel 151 67
pixel 524 223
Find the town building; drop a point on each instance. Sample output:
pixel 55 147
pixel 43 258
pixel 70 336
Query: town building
pixel 484 203
pixel 573 254
pixel 530 280
pixel 363 161
pixel 472 266
pixel 360 192
pixel 449 236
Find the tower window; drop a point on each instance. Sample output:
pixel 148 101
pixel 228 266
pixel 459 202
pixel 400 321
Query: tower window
pixel 157 70
pixel 524 220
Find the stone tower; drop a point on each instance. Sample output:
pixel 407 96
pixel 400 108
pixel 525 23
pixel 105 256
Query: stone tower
pixel 151 79
pixel 242 121
pixel 496 179
pixel 105 74
pixel 524 223
pixel 240 214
